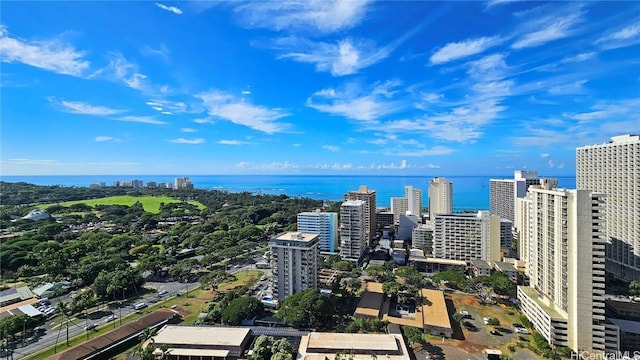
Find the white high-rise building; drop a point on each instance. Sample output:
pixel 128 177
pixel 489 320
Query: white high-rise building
pixel 440 197
pixel 369 198
pixel 414 200
pixel 467 236
pixel 353 233
pixel 613 168
pixel 183 183
pixel 399 206
pixel 295 263
pixel 504 192
pixel 323 223
pixel 422 238
pixel 563 250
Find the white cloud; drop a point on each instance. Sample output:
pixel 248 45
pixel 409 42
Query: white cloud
pixel 83 108
pixel 492 3
pixel 142 119
pixel 172 9
pixel 554 24
pixel 187 141
pixel 353 103
pixel 226 106
pixel 188 130
pixel 162 52
pixel 127 72
pixel 609 111
pixel 246 92
pixel 33 162
pixel 434 151
pixel 626 36
pixel 576 87
pixel 232 142
pixel 105 138
pixel 545 155
pixel 347 56
pixel 550 163
pixel 458 50
pixel 312 15
pixel 52 55
pixel 579 58
pixel 331 148
pixel 204 121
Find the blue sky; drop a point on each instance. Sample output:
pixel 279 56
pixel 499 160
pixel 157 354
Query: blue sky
pixel 313 87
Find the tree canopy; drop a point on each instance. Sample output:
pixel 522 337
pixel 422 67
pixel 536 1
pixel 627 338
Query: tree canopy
pixel 242 308
pixel 307 309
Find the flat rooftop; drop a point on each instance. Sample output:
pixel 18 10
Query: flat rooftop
pixel 433 260
pixel 201 335
pixel 295 236
pixel 480 264
pixel 321 346
pixel 505 266
pixel 370 301
pixel 547 306
pixel 434 309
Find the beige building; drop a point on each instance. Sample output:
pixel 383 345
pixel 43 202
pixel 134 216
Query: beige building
pixel 369 198
pixel 613 168
pixel 414 200
pixel 353 233
pixel 467 236
pixel 440 197
pixel 202 342
pixel 295 263
pixel 563 250
pixel 322 346
pixel 399 206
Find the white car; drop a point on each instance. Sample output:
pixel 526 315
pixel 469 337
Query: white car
pixel 110 318
pixel 520 330
pixel 464 313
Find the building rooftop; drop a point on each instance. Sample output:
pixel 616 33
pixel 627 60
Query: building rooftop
pixel 434 308
pixel 433 260
pixel 201 335
pixel 19 293
pixel 296 236
pixel 370 301
pixel 544 303
pixel 504 266
pixel 480 264
pixel 320 346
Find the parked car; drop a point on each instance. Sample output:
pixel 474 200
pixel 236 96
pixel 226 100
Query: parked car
pixel 522 330
pixel 110 318
pixel 90 327
pixel 464 313
pixel 496 332
pixel 162 292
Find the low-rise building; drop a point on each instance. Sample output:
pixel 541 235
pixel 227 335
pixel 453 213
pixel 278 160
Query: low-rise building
pixel 480 268
pixel 202 342
pixel 507 269
pixel 15 295
pixel 321 346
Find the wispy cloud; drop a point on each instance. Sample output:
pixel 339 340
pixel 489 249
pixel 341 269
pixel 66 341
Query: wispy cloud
pixel 458 50
pixel 545 155
pixel 162 52
pixel 226 106
pixel 188 130
pixel 83 108
pixel 609 111
pixel 52 55
pixel 312 16
pixel 547 25
pixel 576 87
pixel 434 151
pixel 141 119
pixel 127 72
pixel 104 138
pixel 233 142
pixel 357 104
pixel 33 162
pixel 172 9
pixel 492 3
pixel 331 148
pixel 579 58
pixel 187 141
pixel 347 56
pixel 623 37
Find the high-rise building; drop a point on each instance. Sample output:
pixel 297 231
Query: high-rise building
pixel 353 233
pixel 563 250
pixel 440 197
pixel 399 206
pixel 414 200
pixel 613 168
pixel 504 192
pixel 422 238
pixel 295 263
pixel 467 236
pixel 137 184
pixel 183 183
pixel 369 198
pixel 324 224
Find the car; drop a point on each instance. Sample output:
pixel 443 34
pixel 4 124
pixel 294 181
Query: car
pixel 486 320
pixel 162 292
pixel 516 325
pixel 110 318
pixel 522 330
pixel 90 327
pixel 496 332
pixel 464 313
pixel 468 324
pixel 140 306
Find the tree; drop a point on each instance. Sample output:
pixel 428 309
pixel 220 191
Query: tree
pixel 307 309
pixel 64 309
pixel 410 275
pixel 501 283
pixel 634 288
pixel 242 308
pixel 262 348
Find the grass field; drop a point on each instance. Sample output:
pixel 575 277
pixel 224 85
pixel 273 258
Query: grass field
pixel 150 203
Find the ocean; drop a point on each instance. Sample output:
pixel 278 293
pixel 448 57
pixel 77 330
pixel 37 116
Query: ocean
pixel 469 192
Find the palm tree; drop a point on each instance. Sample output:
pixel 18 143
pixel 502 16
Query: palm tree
pixel 64 309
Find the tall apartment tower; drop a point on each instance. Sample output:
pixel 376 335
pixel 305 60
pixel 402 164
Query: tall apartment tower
pixel 369 198
pixel 324 224
pixel 440 197
pixel 613 168
pixel 295 263
pixel 399 206
pixel 467 236
pixel 414 200
pixel 504 192
pixel 353 233
pixel 562 245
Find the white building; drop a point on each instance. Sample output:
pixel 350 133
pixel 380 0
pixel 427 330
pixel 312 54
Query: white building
pixel 323 223
pixel 295 263
pixel 414 200
pixel 504 192
pixel 440 197
pixel 422 237
pixel 182 183
pixel 613 168
pixel 353 233
pixel 399 206
pixel 563 251
pixel 369 198
pixel 467 236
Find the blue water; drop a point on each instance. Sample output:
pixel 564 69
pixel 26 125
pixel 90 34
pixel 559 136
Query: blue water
pixel 469 192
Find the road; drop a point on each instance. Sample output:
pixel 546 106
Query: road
pixel 57 333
